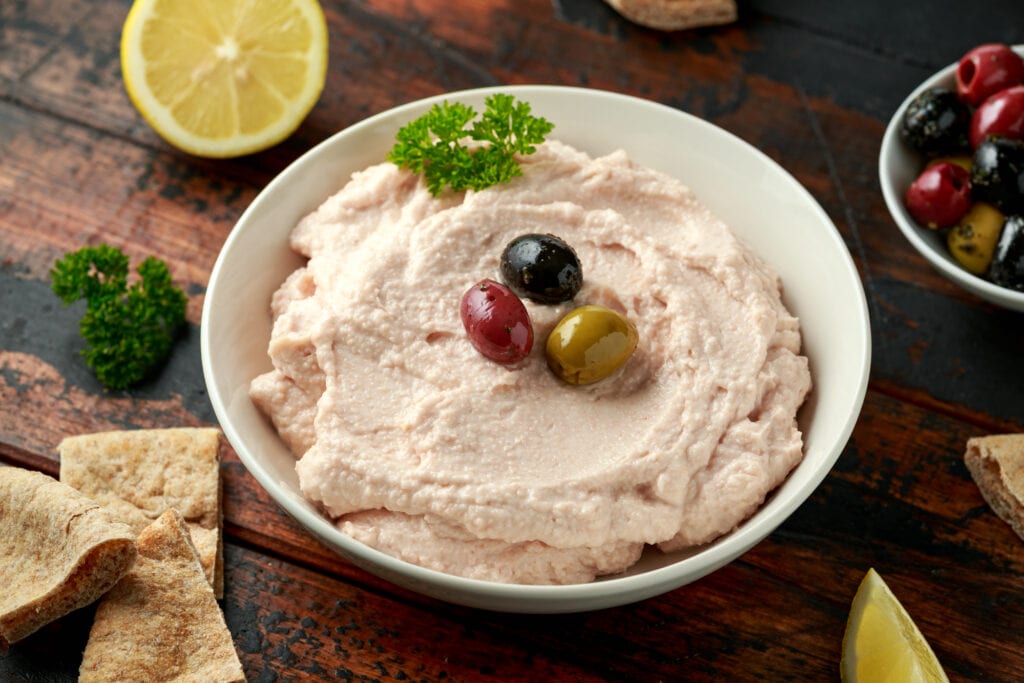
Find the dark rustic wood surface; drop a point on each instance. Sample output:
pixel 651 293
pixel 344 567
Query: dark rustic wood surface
pixel 811 83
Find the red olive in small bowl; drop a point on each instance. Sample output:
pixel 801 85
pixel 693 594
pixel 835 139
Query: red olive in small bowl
pixel 1001 114
pixel 940 196
pixel 986 70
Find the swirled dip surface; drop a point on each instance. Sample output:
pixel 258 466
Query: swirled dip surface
pixel 424 449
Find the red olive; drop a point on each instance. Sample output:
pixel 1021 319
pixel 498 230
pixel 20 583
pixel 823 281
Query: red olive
pixel 497 322
pixel 986 70
pixel 1001 114
pixel 940 196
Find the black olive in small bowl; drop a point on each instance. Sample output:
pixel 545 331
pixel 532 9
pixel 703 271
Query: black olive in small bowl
pixel 997 174
pixel 936 122
pixel 1007 268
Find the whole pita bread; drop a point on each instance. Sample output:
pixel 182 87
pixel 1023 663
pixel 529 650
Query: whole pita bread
pixel 675 15
pixel 161 622
pixel 140 474
pixel 996 464
pixel 59 551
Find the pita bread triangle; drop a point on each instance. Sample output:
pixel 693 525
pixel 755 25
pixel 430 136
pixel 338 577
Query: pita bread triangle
pixel 140 474
pixel 59 551
pixel 996 464
pixel 161 622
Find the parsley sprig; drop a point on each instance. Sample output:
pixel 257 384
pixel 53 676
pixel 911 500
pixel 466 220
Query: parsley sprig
pixel 432 144
pixel 128 328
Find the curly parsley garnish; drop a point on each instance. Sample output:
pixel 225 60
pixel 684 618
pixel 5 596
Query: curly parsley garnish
pixel 128 329
pixel 432 143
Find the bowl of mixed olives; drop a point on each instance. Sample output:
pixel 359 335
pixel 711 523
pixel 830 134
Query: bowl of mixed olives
pixel 952 172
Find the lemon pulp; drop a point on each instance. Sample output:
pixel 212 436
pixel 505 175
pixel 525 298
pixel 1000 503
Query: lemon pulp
pixel 882 644
pixel 224 78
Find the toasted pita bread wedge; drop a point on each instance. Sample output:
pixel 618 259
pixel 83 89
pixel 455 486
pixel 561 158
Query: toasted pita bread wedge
pixel 140 474
pixel 59 551
pixel 675 15
pixel 997 465
pixel 161 622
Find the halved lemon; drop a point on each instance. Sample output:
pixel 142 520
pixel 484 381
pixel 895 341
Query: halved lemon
pixel 224 78
pixel 882 644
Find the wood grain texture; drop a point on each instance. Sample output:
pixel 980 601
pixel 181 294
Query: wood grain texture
pixel 812 84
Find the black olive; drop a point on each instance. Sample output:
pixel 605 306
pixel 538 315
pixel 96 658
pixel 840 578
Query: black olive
pixel 1008 260
pixel 997 174
pixel 542 268
pixel 936 122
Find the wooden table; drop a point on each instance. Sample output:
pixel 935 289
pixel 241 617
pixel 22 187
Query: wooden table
pixel 810 83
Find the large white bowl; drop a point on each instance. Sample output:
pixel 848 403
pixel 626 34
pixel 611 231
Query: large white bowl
pixel 765 205
pixel 898 166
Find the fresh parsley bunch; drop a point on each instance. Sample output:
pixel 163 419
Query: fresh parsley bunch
pixel 128 329
pixel 432 144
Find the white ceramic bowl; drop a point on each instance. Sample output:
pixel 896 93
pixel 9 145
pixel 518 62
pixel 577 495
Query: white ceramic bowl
pixel 898 166
pixel 765 205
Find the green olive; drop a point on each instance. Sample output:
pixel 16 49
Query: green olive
pixel 590 343
pixel 973 239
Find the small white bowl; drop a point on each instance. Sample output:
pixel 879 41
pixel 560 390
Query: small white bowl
pixel 776 216
pixel 898 166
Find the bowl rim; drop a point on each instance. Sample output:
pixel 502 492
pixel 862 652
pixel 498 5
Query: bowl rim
pixel 893 147
pixel 532 598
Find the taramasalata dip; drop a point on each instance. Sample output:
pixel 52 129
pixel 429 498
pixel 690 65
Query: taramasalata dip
pixel 422 448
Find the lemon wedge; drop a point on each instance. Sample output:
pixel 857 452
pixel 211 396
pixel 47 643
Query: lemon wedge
pixel 882 644
pixel 224 78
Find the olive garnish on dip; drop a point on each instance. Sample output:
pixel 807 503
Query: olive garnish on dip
pixel 541 268
pixel 589 344
pixel 496 322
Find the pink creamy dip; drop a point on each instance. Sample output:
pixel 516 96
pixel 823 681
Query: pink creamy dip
pixel 420 447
